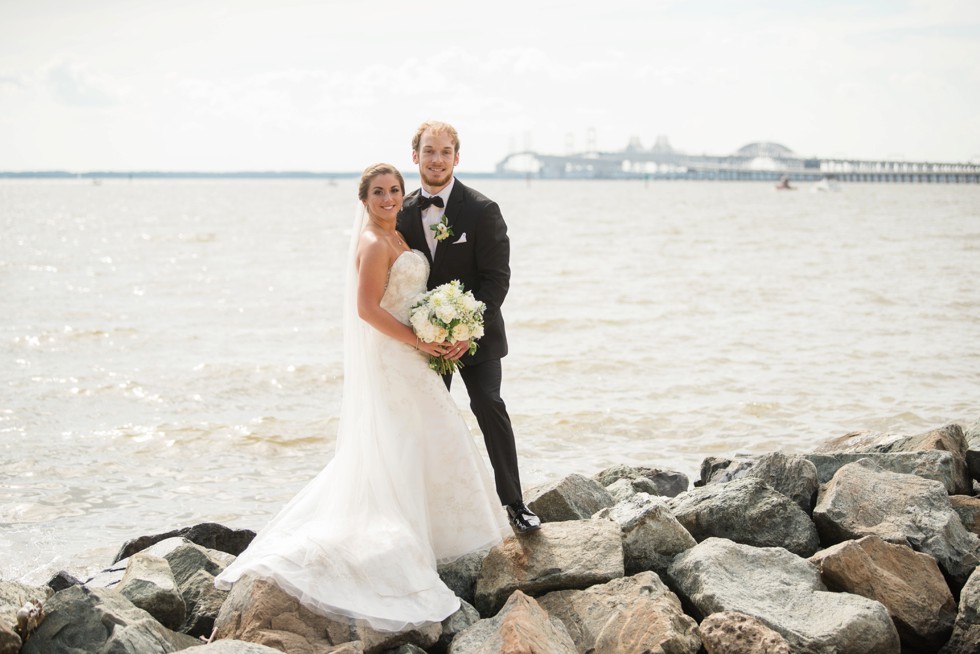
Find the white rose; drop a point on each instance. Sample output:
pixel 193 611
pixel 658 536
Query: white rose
pixel 461 332
pixel 446 313
pixel 419 319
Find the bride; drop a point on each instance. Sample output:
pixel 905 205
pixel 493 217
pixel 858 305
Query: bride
pixel 407 487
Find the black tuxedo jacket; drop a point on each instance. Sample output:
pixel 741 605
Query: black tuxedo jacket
pixel 477 254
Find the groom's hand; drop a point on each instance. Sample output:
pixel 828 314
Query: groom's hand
pixel 457 350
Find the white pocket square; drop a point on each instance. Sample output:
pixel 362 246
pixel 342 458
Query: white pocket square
pixel 461 239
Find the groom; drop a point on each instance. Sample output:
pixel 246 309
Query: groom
pixel 476 251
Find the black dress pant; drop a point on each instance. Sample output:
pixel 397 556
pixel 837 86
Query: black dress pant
pixel 483 386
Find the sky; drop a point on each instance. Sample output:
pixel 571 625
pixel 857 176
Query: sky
pixel 262 85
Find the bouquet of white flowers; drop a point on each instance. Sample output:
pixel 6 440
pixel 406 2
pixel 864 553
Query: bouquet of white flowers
pixel 447 313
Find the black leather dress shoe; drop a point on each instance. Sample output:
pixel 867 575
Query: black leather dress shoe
pixel 522 519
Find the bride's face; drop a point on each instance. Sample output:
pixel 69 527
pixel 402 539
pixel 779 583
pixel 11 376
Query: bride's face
pixel 436 157
pixel 384 197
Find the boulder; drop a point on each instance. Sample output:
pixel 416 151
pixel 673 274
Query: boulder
pixel 966 629
pixel 208 534
pixel 203 602
pixel 623 489
pixel 949 438
pixel 187 558
pixel 718 470
pixel 746 511
pixel 652 536
pixel 785 593
pixel 111 576
pixel 793 476
pixel 101 621
pixel 864 500
pixel 460 575
pixel 731 632
pixel 258 611
pixel 972 437
pixel 455 624
pixel 520 626
pixel 653 481
pixel 908 583
pixel 559 556
pixel 937 465
pixel 574 497
pixel 62 580
pixel 231 647
pixel 149 584
pixel 631 614
pixel 967 507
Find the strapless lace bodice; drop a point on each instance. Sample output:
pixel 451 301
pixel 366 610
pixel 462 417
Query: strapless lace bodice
pixel 406 280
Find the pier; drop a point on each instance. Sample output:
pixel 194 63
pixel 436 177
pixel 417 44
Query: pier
pixel 762 161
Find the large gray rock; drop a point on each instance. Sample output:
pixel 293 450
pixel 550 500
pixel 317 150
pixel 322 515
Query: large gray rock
pixel 13 596
pixel 949 438
pixel 731 632
pixel 203 602
pixel 864 500
pixel 908 583
pixel 460 575
pixel 966 629
pixel 111 576
pixel 101 621
pixel 719 470
pixel 652 536
pixel 631 614
pixel 642 479
pixel 784 592
pixel 793 476
pixel 260 612
pixel 746 511
pixel 187 558
pixel 559 556
pixel 967 507
pixel 455 624
pixel 520 626
pixel 208 534
pixel 937 465
pixel 574 497
pixel 149 584
pixel 972 437
pixel 231 647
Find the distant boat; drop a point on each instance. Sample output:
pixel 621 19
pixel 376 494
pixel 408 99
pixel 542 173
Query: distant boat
pixel 784 184
pixel 826 184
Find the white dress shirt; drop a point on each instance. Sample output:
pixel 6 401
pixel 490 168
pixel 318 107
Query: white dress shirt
pixel 433 214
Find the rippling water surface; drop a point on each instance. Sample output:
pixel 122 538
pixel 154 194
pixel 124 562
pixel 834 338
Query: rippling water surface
pixel 170 351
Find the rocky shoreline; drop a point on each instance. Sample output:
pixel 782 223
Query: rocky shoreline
pixel 868 545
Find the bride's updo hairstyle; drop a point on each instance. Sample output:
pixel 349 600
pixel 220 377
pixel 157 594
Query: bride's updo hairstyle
pixel 373 171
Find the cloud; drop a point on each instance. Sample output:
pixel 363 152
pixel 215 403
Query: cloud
pixel 75 85
pixel 10 82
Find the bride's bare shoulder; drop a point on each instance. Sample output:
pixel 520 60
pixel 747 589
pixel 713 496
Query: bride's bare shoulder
pixel 371 248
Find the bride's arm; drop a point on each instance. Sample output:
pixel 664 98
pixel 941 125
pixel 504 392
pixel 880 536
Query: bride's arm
pixel 372 275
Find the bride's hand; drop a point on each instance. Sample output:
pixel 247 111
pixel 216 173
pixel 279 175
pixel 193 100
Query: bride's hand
pixel 433 349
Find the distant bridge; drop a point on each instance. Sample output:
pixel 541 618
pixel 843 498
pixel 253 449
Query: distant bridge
pixel 763 161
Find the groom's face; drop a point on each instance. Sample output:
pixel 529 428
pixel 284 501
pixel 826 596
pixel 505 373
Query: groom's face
pixel 436 158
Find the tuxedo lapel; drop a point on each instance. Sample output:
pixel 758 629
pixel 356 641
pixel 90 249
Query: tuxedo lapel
pixel 454 211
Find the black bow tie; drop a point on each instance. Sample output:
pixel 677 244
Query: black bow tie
pixel 424 202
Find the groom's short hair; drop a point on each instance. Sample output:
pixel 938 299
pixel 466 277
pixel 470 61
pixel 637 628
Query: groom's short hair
pixel 437 127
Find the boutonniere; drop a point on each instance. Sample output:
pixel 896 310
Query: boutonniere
pixel 442 229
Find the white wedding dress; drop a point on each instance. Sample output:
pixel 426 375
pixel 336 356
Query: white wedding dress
pixel 407 488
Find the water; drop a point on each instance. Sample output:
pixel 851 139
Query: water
pixel 170 351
